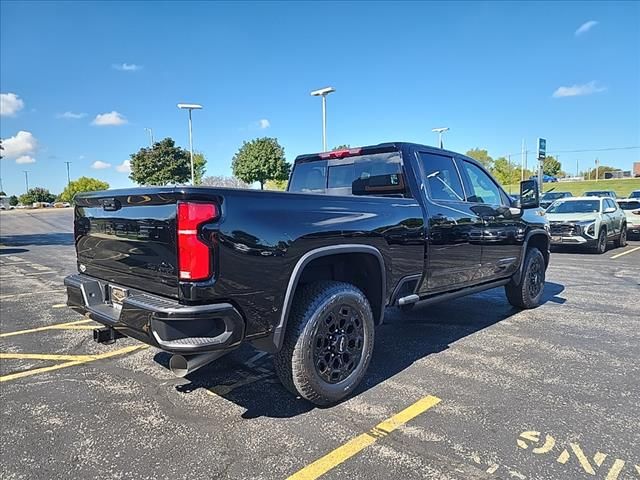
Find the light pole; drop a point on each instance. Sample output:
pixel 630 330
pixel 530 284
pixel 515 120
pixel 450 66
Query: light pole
pixel 26 179
pixel 68 177
pixel 190 106
pixel 440 131
pixel 323 92
pixel 150 131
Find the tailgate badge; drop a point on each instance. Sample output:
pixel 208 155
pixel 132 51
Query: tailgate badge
pixel 82 267
pixel 110 204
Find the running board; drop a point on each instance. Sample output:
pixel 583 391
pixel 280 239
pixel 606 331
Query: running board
pixel 441 297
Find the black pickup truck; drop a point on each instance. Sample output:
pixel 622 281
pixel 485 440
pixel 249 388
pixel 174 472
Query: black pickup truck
pixel 304 274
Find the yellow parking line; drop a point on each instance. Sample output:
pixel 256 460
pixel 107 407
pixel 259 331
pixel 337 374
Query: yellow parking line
pixel 359 443
pixel 44 356
pixel 58 326
pixel 83 360
pixel 624 253
pixel 12 295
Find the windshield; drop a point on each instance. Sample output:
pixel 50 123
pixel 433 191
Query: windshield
pixel 575 206
pixel 599 193
pixel 635 194
pixel 629 205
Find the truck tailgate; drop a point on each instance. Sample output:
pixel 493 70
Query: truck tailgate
pixel 130 240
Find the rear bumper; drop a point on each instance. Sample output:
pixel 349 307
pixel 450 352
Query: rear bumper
pixel 155 320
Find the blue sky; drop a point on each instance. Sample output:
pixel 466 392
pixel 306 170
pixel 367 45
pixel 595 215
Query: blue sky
pixel 489 71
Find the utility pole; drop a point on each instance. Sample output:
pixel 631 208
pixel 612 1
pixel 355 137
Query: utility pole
pixel 577 168
pixel 509 170
pixel 68 177
pixel 597 172
pixel 522 162
pixel 26 179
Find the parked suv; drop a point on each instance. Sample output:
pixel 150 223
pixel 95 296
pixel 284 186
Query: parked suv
pixel 587 221
pixel 548 198
pixel 601 193
pixel 631 209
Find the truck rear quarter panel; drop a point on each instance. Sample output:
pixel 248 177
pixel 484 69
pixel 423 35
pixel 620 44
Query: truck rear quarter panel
pixel 263 235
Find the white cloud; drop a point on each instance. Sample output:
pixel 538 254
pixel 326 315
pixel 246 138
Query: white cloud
pixel 100 165
pixel 10 104
pixel 127 67
pixel 25 159
pixel 578 90
pixel 124 167
pixel 71 115
pixel 23 143
pixel 264 123
pixel 111 118
pixel 585 27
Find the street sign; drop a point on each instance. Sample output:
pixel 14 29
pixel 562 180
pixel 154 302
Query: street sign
pixel 542 149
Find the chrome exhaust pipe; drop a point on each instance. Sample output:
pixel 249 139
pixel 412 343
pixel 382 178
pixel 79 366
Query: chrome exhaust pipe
pixel 183 365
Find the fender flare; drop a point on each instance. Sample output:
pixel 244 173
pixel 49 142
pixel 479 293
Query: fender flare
pixel 277 336
pixel 536 232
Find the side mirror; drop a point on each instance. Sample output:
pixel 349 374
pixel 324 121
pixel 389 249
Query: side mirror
pixel 529 194
pixel 609 210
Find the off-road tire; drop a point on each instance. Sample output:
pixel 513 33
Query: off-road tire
pixel 294 363
pixel 527 293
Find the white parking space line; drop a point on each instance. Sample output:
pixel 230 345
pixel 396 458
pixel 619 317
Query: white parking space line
pixel 625 253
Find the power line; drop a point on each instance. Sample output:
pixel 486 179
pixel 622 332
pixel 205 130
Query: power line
pixel 608 149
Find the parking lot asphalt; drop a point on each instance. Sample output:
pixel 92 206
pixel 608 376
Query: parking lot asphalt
pixel 467 389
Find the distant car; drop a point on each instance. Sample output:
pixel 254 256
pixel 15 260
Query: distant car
pixel 601 193
pixel 631 209
pixel 587 221
pixel 634 194
pixel 548 198
pixel 545 178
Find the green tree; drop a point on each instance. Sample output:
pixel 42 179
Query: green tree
pixel 260 160
pixel 591 174
pixel 164 163
pixel 340 147
pixel 506 173
pixel 276 184
pixel 551 166
pixel 481 156
pixel 222 181
pixel 36 194
pixel 13 200
pixel 82 184
pixel 2 194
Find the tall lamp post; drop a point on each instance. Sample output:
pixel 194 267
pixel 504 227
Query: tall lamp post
pixel 323 92
pixel 190 107
pixel 440 131
pixel 150 132
pixel 26 179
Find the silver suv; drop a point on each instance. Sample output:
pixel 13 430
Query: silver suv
pixel 587 221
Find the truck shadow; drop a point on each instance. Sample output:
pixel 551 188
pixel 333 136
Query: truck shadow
pixel 246 377
pixel 62 238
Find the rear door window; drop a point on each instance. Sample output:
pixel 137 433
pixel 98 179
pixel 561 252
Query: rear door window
pixel 441 177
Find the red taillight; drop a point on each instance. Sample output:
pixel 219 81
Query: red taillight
pixel 194 257
pixel 347 152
